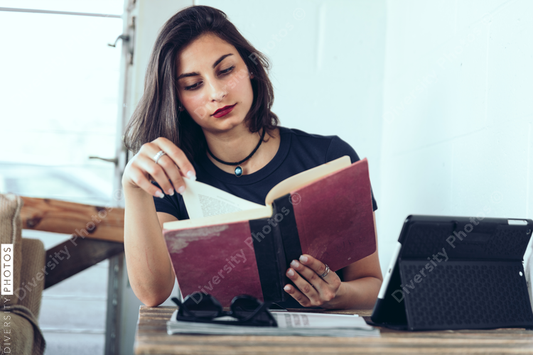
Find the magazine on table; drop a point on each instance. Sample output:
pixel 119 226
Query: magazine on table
pixel 289 323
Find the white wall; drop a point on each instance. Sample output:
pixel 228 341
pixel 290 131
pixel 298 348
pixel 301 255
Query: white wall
pixel 150 16
pixel 457 111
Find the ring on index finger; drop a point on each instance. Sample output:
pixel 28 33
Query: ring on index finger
pixel 158 156
pixel 326 272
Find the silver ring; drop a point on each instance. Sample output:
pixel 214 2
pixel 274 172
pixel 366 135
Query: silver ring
pixel 326 272
pixel 158 156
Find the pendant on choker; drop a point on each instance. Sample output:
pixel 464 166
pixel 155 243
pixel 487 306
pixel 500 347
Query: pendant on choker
pixel 238 170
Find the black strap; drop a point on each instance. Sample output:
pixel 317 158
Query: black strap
pixel 288 228
pixel 270 259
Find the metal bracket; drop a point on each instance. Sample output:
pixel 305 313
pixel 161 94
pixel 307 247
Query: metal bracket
pixel 109 160
pixel 128 39
pixel 124 38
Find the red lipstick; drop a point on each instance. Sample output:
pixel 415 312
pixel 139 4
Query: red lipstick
pixel 221 112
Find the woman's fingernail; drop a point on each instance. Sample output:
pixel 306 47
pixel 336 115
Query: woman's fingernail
pixel 181 189
pixel 290 272
pixel 304 259
pixel 191 176
pixel 171 192
pixel 295 264
pixel 159 194
pixel 287 288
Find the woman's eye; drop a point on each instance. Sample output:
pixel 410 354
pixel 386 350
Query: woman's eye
pixel 193 87
pixel 226 71
pixel 222 72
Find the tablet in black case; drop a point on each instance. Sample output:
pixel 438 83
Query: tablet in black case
pixel 457 273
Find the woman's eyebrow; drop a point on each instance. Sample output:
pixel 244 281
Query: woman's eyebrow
pixel 185 75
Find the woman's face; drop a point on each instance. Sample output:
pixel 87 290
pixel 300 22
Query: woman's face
pixel 212 76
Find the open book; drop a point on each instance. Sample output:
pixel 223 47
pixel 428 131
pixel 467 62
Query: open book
pixel 231 246
pixel 204 200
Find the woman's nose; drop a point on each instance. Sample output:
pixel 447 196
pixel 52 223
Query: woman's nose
pixel 217 91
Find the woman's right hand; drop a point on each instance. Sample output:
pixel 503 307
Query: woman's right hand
pixel 168 172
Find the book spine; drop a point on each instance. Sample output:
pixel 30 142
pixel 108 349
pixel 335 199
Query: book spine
pixel 270 258
pixel 288 229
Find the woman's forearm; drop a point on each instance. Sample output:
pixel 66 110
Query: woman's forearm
pixel 149 268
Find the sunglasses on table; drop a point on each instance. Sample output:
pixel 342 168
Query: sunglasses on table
pixel 244 310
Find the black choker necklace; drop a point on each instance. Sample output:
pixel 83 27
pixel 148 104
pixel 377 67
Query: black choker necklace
pixel 238 169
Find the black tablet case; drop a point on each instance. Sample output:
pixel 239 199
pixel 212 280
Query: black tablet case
pixel 481 286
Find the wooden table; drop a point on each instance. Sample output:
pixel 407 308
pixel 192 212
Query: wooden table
pixel 152 338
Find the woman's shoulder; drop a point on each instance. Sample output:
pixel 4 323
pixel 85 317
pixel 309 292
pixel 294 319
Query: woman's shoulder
pixel 330 147
pixel 304 135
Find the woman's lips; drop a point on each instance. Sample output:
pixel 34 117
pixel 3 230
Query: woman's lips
pixel 223 111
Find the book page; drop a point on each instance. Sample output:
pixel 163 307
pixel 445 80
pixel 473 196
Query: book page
pixel 203 200
pixel 306 177
pixel 318 320
pixel 255 213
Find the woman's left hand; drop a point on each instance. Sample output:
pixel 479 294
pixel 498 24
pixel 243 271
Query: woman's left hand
pixel 312 289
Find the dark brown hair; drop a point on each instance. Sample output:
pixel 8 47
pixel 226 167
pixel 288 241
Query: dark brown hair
pixel 157 114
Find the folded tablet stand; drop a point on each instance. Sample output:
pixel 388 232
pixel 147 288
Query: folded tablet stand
pixel 457 273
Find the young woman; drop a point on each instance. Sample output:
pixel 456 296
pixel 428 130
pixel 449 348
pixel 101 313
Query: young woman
pixel 206 114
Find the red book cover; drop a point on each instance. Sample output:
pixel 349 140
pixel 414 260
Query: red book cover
pixel 219 260
pixel 334 217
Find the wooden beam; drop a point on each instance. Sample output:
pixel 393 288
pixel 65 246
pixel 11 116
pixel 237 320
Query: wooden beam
pixel 79 220
pixel 72 256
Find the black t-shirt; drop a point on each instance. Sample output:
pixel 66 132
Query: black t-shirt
pixel 298 151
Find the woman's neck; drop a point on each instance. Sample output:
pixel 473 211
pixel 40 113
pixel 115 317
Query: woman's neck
pixel 236 145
